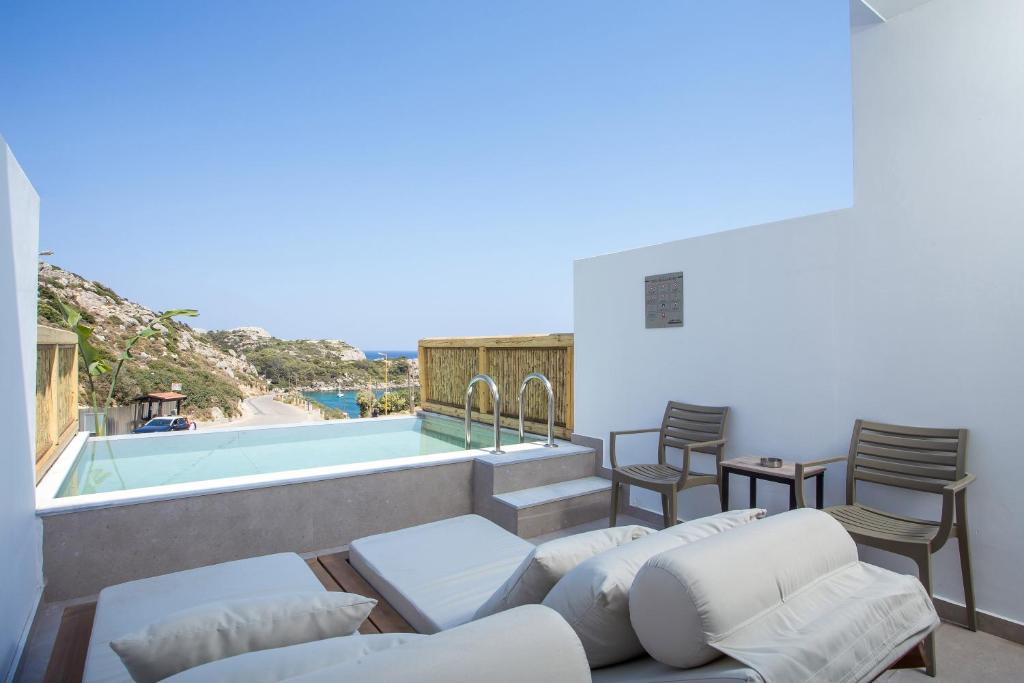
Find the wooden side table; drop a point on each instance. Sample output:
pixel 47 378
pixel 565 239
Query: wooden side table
pixel 750 467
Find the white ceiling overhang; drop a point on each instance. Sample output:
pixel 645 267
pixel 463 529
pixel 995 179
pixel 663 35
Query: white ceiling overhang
pixel 864 13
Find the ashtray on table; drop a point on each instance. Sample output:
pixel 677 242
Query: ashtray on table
pixel 773 463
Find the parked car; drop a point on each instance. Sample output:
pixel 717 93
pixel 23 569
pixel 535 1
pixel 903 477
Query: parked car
pixel 164 424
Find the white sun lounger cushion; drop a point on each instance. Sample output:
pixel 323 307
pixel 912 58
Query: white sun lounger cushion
pixel 549 562
pixel 648 670
pixel 526 644
pixel 437 575
pixel 787 597
pixel 594 597
pixel 132 606
pixel 271 666
pixel 226 628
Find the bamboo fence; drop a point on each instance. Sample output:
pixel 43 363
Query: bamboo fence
pixel 448 363
pixel 56 394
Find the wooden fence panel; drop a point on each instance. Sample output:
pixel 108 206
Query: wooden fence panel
pixel 56 394
pixel 447 364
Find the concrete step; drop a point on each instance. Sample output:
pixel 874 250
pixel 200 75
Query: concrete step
pixel 518 470
pixel 541 509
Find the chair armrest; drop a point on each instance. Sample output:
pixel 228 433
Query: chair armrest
pixel 958 485
pixel 688 448
pixel 801 467
pixel 949 494
pixel 625 432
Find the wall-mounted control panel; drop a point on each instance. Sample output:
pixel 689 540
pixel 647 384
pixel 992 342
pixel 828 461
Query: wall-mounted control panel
pixel 663 300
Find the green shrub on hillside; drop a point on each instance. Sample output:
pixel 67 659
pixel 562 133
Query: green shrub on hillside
pixel 205 389
pixel 299 364
pixel 388 403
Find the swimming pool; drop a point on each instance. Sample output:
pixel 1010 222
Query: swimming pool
pixel 123 463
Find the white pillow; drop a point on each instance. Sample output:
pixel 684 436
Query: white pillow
pixel 528 644
pixel 688 598
pixel 280 663
pixel 594 597
pixel 723 521
pixel 540 570
pixel 222 629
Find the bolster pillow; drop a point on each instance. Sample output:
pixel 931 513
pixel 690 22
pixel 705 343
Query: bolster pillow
pixel 528 643
pixel 685 599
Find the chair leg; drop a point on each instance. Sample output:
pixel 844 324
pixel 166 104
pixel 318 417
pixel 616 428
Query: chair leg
pixel 673 504
pixel 965 561
pixel 924 568
pixel 613 515
pixel 665 510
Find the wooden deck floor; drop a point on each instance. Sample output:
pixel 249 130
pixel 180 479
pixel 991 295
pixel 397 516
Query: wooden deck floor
pixel 67 662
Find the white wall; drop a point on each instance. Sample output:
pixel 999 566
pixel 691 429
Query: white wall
pixel 20 531
pixel 907 308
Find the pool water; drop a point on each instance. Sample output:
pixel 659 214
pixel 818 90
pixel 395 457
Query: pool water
pixel 119 463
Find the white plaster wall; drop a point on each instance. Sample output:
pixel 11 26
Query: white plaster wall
pixel 20 531
pixel 905 308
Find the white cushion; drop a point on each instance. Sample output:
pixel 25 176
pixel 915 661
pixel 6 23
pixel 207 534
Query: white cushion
pixel 270 666
pixel 697 529
pixel 648 670
pixel 226 628
pixel 437 575
pixel 550 561
pixel 787 597
pixel 594 597
pixel 526 644
pixel 132 606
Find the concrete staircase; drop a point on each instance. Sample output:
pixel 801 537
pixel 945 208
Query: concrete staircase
pixel 536 490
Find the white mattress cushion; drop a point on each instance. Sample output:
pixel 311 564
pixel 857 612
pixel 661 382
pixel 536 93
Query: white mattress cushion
pixel 649 670
pixel 129 607
pixel 528 644
pixel 437 575
pixel 594 597
pixel 549 562
pixel 787 597
pixel 225 628
pixel 270 666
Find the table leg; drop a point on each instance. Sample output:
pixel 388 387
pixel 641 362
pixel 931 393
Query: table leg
pixel 792 494
pixel 819 489
pixel 725 490
pixel 753 491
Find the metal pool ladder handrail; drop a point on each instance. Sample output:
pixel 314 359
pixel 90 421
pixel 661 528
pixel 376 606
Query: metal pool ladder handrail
pixel 551 407
pixel 495 398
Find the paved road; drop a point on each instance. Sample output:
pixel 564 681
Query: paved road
pixel 264 410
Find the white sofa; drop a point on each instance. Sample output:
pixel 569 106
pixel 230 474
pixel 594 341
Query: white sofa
pixel 130 607
pixel 530 643
pixel 437 576
pixel 790 585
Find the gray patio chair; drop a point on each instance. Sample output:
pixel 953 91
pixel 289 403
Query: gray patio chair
pixel 688 428
pixel 918 459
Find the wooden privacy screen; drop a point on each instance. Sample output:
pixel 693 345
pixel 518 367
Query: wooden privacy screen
pixel 56 394
pixel 448 363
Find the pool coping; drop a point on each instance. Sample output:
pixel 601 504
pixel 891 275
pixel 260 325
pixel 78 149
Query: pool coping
pixel 48 504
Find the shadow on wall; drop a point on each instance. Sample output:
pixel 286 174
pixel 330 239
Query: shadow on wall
pixel 20 538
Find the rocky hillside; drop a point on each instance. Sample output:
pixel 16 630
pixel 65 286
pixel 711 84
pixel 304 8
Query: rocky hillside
pixel 306 363
pixel 251 339
pixel 216 369
pixel 215 380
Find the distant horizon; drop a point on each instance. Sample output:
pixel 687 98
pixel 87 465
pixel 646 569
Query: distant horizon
pixel 383 172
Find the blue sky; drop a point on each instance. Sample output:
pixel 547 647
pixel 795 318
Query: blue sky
pixel 383 171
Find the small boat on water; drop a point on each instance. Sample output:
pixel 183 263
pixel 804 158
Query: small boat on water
pixel 341 394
